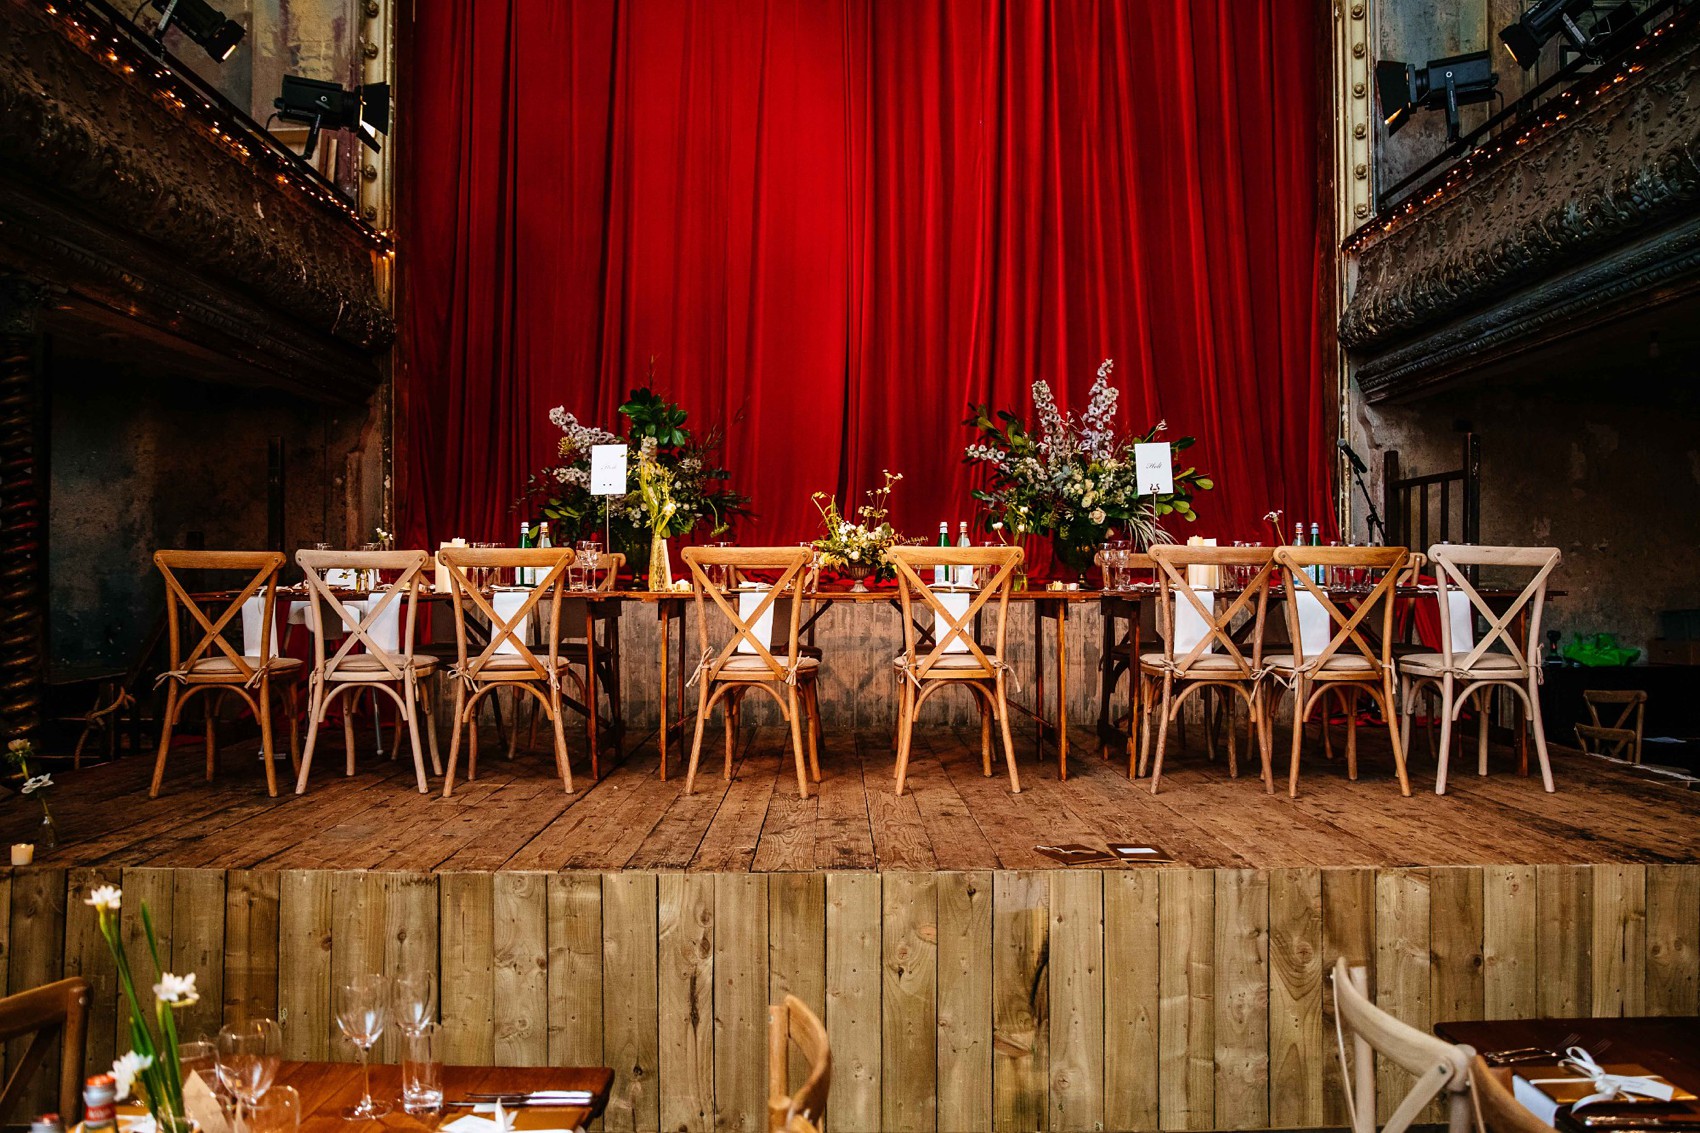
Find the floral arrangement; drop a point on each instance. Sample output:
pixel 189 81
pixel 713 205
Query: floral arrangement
pixel 18 754
pixel 680 487
pixel 152 1062
pixel 859 548
pixel 1074 479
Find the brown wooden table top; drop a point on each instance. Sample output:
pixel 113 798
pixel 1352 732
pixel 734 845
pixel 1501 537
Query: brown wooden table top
pixel 1667 1045
pixel 326 1087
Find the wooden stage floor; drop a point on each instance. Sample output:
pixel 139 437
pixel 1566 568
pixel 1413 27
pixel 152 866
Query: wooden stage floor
pixel 516 817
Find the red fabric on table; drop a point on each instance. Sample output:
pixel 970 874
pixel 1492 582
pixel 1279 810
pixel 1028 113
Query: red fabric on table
pixel 834 223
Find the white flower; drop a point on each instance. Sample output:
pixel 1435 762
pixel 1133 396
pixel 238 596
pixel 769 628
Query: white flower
pixel 18 745
pixel 124 1072
pixel 177 990
pixel 36 784
pixel 105 898
pixel 855 555
pixel 1097 515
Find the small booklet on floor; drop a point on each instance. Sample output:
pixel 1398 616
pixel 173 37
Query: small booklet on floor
pixel 1142 854
pixel 1073 853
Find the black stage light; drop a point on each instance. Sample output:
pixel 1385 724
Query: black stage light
pixel 202 23
pixel 1525 38
pixel 327 106
pixel 1443 84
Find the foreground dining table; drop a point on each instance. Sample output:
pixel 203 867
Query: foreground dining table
pixel 326 1087
pixel 1668 1045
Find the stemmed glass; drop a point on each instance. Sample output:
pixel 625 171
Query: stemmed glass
pixel 413 1000
pixel 361 1006
pixel 248 1057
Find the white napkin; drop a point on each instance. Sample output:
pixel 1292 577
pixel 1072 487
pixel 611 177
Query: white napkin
pixel 748 600
pixel 957 603
pixel 253 614
pixel 483 1120
pixel 1190 627
pixel 386 630
pixel 1315 626
pixel 1461 614
pixel 506 603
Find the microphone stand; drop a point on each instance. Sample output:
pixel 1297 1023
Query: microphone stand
pixel 1372 519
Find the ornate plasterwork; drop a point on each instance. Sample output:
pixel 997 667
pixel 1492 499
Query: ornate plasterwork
pixel 1605 170
pixel 105 145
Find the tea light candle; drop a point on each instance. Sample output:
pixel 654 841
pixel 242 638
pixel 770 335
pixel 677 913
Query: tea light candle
pixel 23 853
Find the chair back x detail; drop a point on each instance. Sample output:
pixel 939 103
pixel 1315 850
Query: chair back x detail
pixel 746 661
pixel 212 665
pixel 789 1024
pixel 1363 1030
pixel 59 1011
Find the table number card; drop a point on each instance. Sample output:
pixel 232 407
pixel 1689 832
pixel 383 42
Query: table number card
pixel 607 470
pixel 1156 466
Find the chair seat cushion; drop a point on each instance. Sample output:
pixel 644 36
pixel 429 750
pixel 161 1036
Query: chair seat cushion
pixel 1339 663
pixel 1203 663
pixel 508 663
pixel 365 667
pixel 1488 664
pixel 948 662
pixel 221 666
pixel 745 664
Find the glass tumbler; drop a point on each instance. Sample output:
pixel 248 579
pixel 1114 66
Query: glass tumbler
pixel 422 1070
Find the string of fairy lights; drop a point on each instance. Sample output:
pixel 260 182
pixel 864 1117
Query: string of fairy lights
pixel 1571 102
pixel 103 40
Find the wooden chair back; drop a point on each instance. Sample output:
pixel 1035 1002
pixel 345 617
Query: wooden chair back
pixel 910 561
pixel 789 563
pixel 791 1023
pixel 1452 499
pixel 553 561
pixel 206 632
pixel 1346 638
pixel 55 1011
pixel 1631 704
pixel 1455 566
pixel 1438 1066
pixel 1497 1108
pixel 1172 561
pixel 409 567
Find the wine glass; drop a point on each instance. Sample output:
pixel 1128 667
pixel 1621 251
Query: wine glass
pixel 361 1006
pixel 248 1057
pixel 413 1000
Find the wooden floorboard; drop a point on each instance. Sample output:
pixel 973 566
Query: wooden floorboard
pixel 516 816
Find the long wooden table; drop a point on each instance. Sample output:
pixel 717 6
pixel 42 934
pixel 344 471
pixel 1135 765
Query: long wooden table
pixel 326 1087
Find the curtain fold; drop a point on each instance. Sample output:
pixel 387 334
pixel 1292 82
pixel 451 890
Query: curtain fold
pixel 826 226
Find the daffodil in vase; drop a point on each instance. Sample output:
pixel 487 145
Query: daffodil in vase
pixel 151 1067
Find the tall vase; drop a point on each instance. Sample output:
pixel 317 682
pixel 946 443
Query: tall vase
pixel 660 570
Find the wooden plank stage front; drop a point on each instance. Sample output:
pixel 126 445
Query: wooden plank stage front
pixel 964 983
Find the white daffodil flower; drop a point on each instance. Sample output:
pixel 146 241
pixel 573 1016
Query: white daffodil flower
pixel 105 898
pixel 36 784
pixel 179 991
pixel 124 1071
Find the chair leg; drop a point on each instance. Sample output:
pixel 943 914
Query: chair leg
pixel 1407 707
pixel 795 712
pixel 454 738
pixel 730 727
pixel 1483 699
pixel 811 712
pixel 1393 736
pixel 1446 710
pixel 294 709
pixel 1145 689
pixel 562 761
pixel 472 737
pixel 378 722
pixel 428 700
pixel 164 737
pixel 905 729
pixel 985 737
pixel 1300 694
pixel 414 696
pixel 702 718
pixel 315 710
pixel 1540 734
pixel 208 701
pixel 1165 710
pixel 1349 699
pixel 1262 710
pixel 1008 743
pixel 264 700
pixel 348 703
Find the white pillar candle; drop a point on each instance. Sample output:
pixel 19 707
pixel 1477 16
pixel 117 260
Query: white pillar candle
pixel 23 853
pixel 442 572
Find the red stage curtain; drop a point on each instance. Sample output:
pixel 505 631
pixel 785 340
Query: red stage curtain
pixel 829 225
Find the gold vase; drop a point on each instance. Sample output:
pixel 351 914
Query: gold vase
pixel 660 570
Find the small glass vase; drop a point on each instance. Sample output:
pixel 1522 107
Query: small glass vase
pixel 660 569
pixel 48 836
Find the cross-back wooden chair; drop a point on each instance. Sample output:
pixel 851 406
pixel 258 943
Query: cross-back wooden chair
pixel 1441 1069
pixel 1506 654
pixel 518 667
pixel 1358 654
pixel 1631 704
pixel 1220 659
pixel 789 1024
pixel 381 666
pixel 954 658
pixel 205 661
pixel 746 661
pixel 1497 1108
pixel 57 1010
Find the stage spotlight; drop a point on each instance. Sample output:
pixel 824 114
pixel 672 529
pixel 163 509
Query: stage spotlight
pixel 202 23
pixel 322 105
pixel 1443 84
pixel 1525 38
